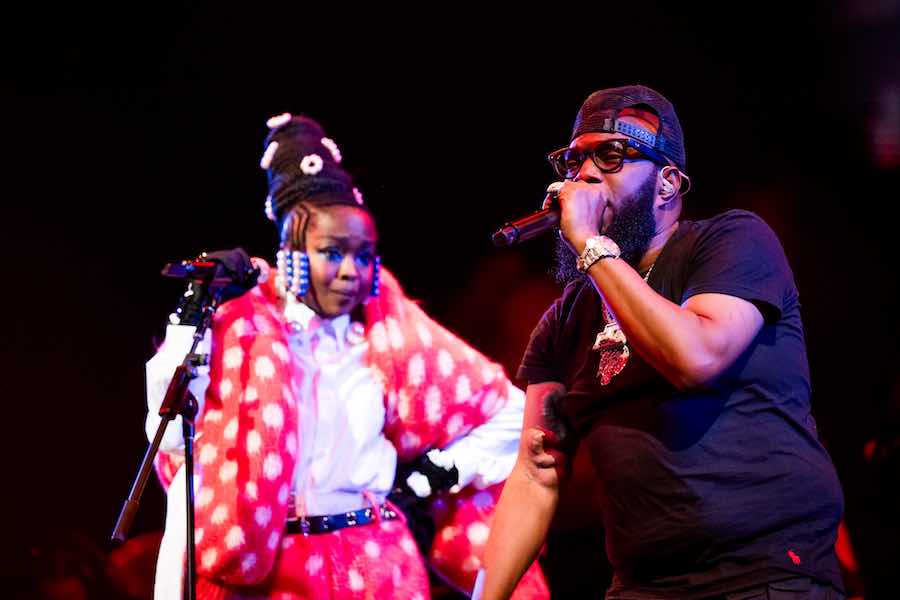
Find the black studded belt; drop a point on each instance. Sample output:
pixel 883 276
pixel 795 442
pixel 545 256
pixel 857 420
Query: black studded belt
pixel 328 523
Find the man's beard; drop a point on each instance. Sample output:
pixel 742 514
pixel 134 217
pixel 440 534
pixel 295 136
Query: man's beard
pixel 632 229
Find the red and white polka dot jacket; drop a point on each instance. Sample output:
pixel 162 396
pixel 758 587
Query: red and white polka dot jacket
pixel 247 435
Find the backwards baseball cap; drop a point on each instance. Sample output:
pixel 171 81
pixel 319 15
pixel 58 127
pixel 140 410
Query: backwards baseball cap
pixel 601 111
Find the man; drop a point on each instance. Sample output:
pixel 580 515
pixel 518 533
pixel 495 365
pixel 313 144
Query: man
pixel 676 360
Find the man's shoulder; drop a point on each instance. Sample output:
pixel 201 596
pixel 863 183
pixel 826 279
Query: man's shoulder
pixel 736 217
pixel 735 223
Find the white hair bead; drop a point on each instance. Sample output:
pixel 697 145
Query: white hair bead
pixel 278 121
pixel 268 155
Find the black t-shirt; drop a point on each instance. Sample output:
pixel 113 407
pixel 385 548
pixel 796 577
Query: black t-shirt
pixel 702 490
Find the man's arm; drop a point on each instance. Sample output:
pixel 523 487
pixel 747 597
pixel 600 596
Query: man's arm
pixel 528 502
pixel 689 345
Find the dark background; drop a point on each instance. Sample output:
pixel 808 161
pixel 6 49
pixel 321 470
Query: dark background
pixel 132 138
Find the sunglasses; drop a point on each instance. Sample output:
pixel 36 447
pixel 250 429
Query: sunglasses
pixel 608 156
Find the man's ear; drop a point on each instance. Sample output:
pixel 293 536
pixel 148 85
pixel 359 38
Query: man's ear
pixel 669 181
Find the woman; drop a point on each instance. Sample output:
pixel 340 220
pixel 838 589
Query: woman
pixel 320 379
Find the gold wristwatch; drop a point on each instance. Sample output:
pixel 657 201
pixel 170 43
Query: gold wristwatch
pixel 595 248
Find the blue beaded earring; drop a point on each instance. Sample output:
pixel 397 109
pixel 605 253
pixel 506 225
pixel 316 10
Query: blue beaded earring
pixel 376 277
pixel 294 271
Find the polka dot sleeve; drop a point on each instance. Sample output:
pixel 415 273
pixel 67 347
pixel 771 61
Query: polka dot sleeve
pixel 246 446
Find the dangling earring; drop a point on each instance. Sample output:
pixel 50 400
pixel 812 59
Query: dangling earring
pixel 294 271
pixel 376 277
pixel 281 267
pixel 299 273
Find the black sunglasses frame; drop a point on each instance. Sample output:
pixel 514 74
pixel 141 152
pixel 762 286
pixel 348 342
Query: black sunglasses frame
pixel 640 150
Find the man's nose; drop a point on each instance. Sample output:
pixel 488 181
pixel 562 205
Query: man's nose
pixel 588 172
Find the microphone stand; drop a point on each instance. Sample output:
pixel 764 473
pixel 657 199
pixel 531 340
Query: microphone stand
pixel 178 401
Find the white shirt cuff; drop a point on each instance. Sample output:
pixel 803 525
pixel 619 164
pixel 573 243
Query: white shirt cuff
pixel 487 454
pixel 160 369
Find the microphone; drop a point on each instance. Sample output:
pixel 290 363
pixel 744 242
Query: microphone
pixel 196 270
pixel 228 270
pixel 533 225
